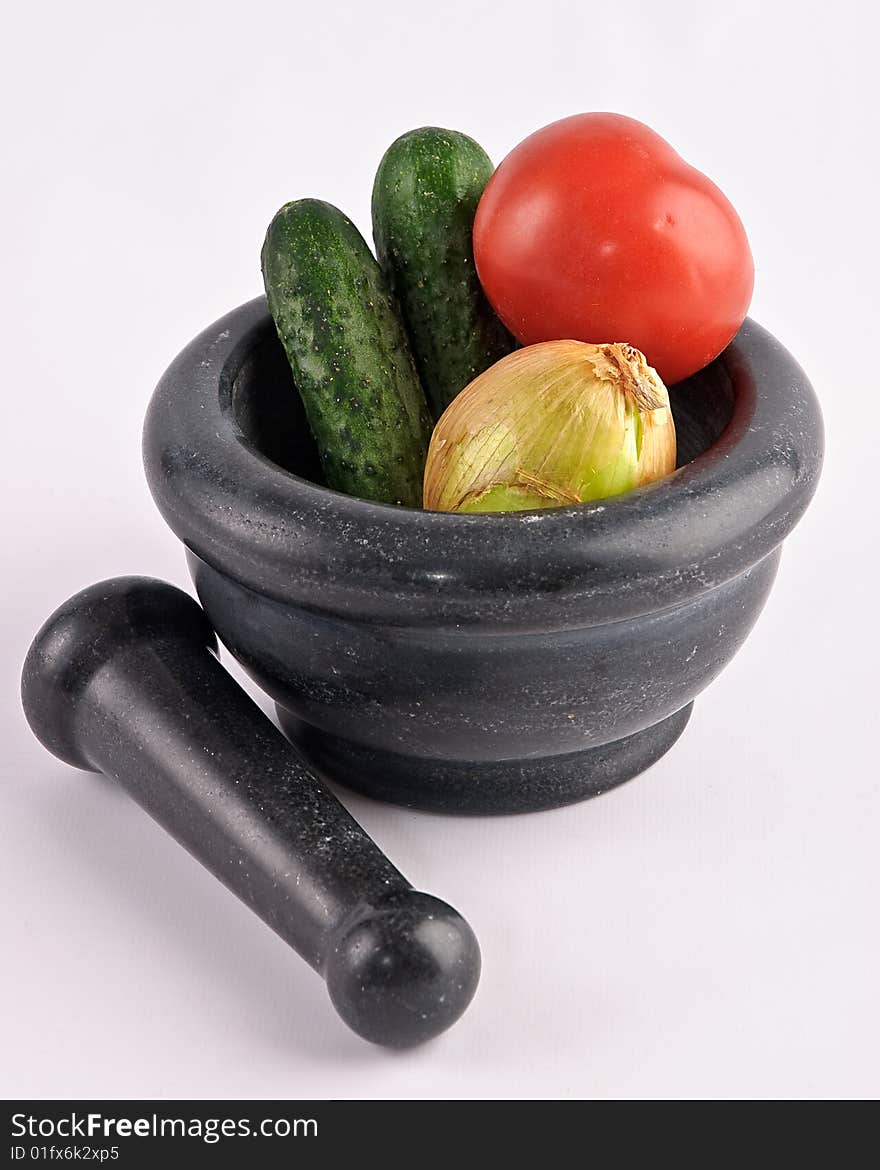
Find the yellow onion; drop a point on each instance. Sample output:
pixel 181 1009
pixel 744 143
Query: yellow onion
pixel 557 423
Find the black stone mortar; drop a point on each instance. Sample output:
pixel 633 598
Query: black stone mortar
pixel 499 663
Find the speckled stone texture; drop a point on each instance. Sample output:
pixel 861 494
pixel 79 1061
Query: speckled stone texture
pixel 478 663
pixel 123 679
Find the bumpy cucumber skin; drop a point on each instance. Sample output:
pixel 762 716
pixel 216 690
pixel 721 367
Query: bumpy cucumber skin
pixel 349 353
pixel 425 198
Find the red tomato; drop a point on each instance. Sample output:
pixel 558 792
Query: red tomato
pixel 594 229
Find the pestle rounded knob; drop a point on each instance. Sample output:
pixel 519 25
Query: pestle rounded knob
pixel 124 679
pixel 406 967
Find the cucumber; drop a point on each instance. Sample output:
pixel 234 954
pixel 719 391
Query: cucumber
pixel 425 198
pixel 349 353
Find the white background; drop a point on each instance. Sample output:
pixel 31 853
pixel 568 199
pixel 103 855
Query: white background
pixel 710 929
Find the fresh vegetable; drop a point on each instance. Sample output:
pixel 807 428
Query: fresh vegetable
pixel 557 423
pixel 594 227
pixel 349 353
pixel 424 200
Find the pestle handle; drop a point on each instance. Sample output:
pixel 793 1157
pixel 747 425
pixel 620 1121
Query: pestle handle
pixel 124 679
